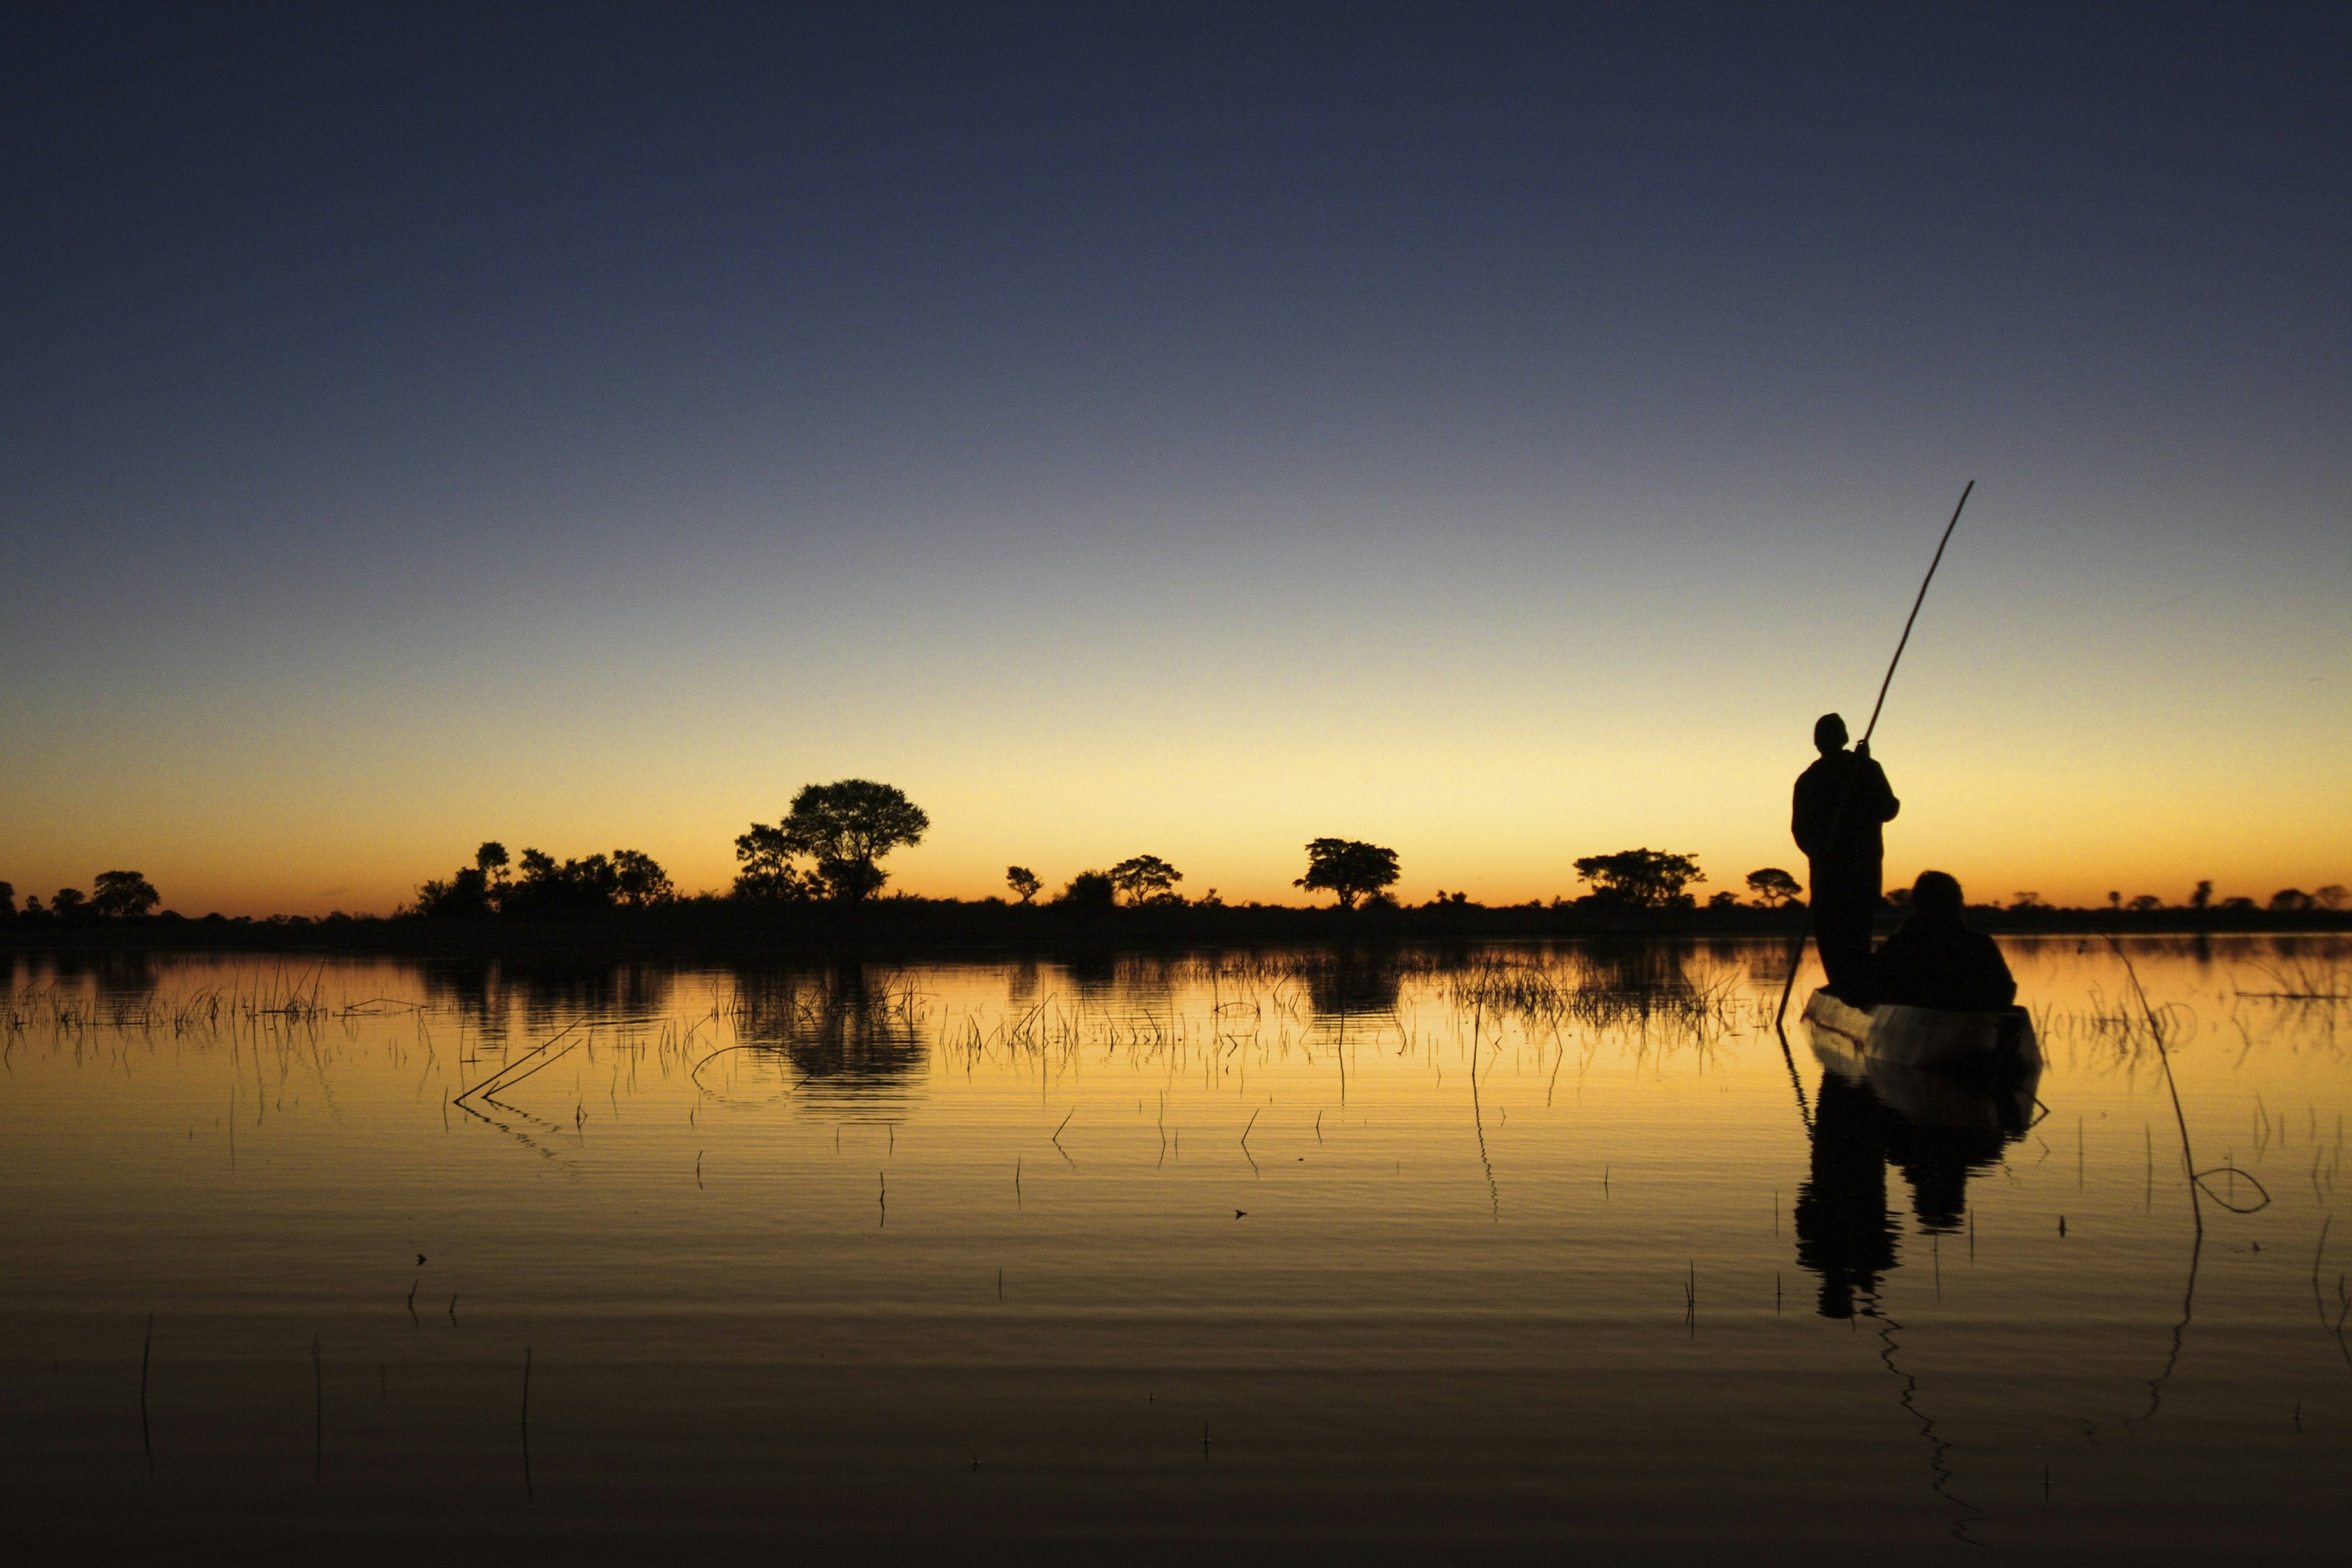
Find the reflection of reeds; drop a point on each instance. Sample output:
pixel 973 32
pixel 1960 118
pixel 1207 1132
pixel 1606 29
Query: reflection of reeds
pixel 1640 992
pixel 2312 992
pixel 2117 1031
pixel 794 1004
pixel 843 1025
pixel 206 1010
pixel 2198 1180
pixel 2327 981
pixel 2335 1327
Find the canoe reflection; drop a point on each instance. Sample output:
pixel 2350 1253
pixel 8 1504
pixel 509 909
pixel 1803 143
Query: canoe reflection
pixel 1936 1130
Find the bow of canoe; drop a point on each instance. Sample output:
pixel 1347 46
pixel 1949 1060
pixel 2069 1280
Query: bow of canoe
pixel 1932 1039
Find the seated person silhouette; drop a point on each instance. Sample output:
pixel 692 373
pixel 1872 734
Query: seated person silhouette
pixel 1935 961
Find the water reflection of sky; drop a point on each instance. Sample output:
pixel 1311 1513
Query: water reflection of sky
pixel 1503 1244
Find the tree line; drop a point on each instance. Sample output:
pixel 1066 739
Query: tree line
pixel 829 846
pixel 830 843
pixel 625 879
pixel 113 895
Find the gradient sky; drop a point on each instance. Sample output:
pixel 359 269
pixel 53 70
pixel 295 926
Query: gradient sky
pixel 1493 431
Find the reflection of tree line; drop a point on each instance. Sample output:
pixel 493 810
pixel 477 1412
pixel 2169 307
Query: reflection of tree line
pixel 846 1022
pixel 116 972
pixel 843 1024
pixel 488 996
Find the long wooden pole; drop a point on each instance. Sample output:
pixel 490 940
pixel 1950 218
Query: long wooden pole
pixel 1846 799
pixel 1912 618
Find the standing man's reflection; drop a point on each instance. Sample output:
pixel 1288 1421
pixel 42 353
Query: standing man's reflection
pixel 1844 1231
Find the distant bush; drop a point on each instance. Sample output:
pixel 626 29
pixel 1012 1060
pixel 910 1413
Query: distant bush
pixel 123 895
pixel 1641 879
pixel 1088 890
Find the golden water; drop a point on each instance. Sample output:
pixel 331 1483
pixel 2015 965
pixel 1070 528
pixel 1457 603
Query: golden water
pixel 1281 1252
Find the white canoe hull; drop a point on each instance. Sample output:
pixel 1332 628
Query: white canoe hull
pixel 1926 1039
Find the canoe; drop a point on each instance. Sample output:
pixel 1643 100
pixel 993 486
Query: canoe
pixel 1930 1038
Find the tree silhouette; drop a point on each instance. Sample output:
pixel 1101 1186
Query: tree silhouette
pixel 639 880
pixel 1146 879
pixel 471 890
pixel 466 891
pixel 122 894
pixel 1644 879
pixel 2331 897
pixel 2202 898
pixel 547 886
pixel 1773 887
pixel 2293 900
pixel 7 901
pixel 68 903
pixel 1088 890
pixel 2145 903
pixel 1349 869
pixel 544 888
pixel 844 827
pixel 768 874
pixel 1023 883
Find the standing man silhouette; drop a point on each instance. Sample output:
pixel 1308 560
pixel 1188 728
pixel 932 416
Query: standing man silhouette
pixel 1841 801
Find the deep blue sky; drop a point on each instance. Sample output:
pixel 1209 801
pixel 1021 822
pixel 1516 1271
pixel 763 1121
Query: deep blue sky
pixel 1137 427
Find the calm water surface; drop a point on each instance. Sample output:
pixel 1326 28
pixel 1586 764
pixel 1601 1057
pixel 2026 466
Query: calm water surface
pixel 1518 1247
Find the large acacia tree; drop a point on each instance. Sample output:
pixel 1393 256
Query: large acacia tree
pixel 1146 879
pixel 1348 868
pixel 844 828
